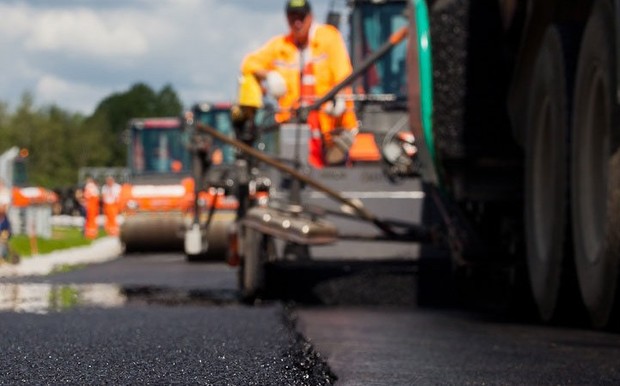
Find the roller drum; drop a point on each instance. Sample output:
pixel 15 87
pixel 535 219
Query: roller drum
pixel 153 232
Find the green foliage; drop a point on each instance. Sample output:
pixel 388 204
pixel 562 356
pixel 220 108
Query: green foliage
pixel 60 142
pixel 66 296
pixel 140 101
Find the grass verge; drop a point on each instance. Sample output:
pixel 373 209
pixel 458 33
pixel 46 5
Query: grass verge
pixel 64 268
pixel 62 238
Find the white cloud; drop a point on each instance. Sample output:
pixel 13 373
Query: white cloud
pixel 53 90
pixel 15 21
pixel 72 30
pixel 75 53
pixel 83 31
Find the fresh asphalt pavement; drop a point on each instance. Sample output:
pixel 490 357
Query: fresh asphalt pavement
pixel 154 318
pixel 145 319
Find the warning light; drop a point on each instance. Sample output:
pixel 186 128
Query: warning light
pixel 23 153
pixel 176 166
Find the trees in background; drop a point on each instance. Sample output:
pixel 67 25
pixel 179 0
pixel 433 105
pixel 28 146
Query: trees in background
pixel 60 142
pixel 140 101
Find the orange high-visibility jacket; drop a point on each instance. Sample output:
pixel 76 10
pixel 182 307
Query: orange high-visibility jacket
pixel 91 196
pixel 110 194
pixel 331 62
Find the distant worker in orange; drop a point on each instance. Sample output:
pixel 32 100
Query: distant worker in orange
pixel 91 198
pixel 110 195
pixel 302 66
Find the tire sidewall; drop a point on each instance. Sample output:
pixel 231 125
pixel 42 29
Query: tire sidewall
pixel 547 96
pixel 597 278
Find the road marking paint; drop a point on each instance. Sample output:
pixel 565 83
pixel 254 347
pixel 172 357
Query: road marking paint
pixel 415 195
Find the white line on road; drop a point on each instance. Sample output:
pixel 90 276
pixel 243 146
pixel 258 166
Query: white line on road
pixel 416 195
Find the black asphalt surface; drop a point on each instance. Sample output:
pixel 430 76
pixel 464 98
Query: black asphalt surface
pixel 356 316
pixel 230 345
pixel 150 319
pixel 396 346
pixel 179 323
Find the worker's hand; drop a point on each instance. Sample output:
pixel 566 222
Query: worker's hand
pixel 261 74
pixel 335 108
pixel 337 150
pixel 275 84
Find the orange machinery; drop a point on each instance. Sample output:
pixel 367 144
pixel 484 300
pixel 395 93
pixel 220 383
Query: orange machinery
pixel 31 212
pixel 23 197
pixel 157 204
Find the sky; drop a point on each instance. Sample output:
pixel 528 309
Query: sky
pixel 74 53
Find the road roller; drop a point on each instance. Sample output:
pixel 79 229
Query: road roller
pixel 160 200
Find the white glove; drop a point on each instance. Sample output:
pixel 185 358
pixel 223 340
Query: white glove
pixel 275 84
pixel 335 108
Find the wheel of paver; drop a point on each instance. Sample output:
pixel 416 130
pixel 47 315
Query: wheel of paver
pixel 596 168
pixel 546 170
pixel 252 272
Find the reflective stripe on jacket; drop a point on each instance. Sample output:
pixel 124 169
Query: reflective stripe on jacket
pixel 329 57
pixel 110 194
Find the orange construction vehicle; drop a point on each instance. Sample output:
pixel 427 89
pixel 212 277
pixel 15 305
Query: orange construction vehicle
pixel 29 207
pixel 27 196
pixel 157 203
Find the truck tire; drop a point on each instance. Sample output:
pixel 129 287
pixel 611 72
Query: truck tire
pixel 595 171
pixel 546 174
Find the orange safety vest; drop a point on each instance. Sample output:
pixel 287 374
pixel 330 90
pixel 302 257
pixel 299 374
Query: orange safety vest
pixel 110 197
pixel 308 96
pixel 330 64
pixel 110 194
pixel 91 196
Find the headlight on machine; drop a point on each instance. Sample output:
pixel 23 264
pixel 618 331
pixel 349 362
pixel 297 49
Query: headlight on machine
pixel 132 205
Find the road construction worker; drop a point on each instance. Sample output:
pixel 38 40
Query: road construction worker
pixel 110 196
pixel 298 68
pixel 91 199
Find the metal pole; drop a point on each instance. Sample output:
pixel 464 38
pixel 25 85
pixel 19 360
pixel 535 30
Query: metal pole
pixel 357 206
pixel 295 193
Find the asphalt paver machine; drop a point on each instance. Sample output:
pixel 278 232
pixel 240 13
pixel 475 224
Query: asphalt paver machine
pixel 288 221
